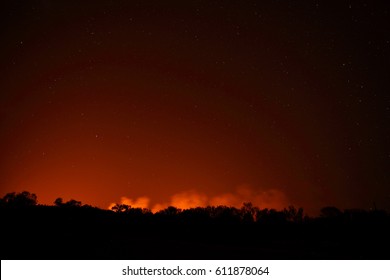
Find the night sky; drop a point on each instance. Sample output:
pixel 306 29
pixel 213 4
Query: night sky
pixel 195 103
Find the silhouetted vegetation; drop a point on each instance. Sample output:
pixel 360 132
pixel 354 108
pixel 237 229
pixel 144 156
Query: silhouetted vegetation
pixel 70 230
pixel 19 200
pixel 71 203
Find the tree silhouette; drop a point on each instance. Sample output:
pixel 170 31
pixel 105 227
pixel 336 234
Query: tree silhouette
pixel 71 203
pixel 120 208
pixel 58 202
pixel 235 232
pixel 248 212
pixel 18 200
pixel 170 211
pixel 294 215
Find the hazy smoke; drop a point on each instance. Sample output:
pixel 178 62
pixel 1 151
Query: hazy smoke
pixel 271 198
pixel 141 202
pixel 184 200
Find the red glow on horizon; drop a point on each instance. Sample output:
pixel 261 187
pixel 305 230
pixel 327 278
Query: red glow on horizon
pixel 271 199
pixel 166 105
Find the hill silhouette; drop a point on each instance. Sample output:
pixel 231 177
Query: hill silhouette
pixel 71 230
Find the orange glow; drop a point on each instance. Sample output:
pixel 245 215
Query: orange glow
pixel 165 105
pixel 141 202
pixel 184 200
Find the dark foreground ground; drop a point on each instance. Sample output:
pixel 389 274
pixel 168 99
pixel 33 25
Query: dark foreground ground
pixel 49 232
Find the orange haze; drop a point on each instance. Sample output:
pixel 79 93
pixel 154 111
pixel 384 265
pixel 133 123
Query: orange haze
pixel 184 200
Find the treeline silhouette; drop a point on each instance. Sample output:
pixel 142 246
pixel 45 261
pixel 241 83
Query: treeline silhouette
pixel 71 230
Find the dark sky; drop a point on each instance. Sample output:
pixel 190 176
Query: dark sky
pixel 196 102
